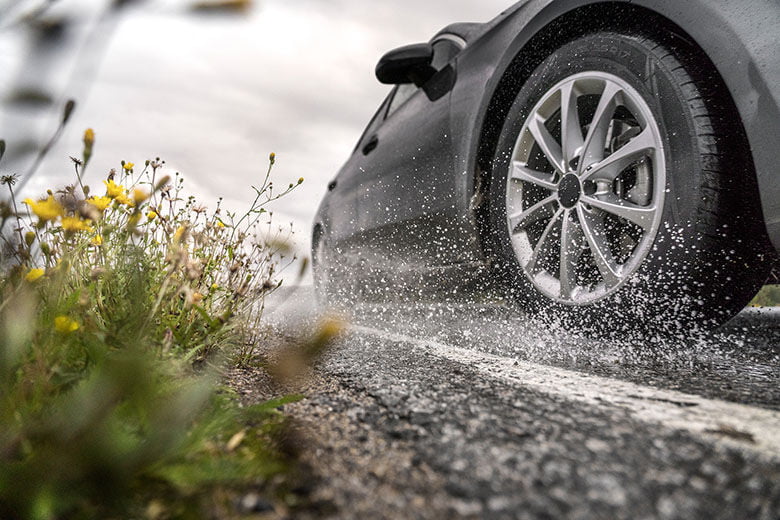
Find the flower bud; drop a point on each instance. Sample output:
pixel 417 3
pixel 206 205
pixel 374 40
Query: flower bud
pixel 89 137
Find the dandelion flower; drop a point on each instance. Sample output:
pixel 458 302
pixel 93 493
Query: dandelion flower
pixel 330 328
pixel 113 189
pixel 74 224
pixel 128 166
pixel 99 203
pixel 220 224
pixel 46 209
pixel 140 195
pixel 124 199
pixel 65 325
pixel 151 215
pixel 34 274
pixel 97 240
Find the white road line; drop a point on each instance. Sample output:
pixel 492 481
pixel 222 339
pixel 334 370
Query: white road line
pixel 720 422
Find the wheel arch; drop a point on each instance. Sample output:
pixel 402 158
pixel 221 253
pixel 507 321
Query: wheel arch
pixel 558 23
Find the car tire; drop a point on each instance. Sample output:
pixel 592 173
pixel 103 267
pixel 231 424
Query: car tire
pixel 658 228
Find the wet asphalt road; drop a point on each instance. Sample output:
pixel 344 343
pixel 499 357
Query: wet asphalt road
pixel 453 439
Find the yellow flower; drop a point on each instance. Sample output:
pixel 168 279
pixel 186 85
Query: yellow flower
pixel 74 224
pixel 46 209
pixel 89 137
pixel 330 328
pixel 99 203
pixel 151 215
pixel 220 224
pixel 214 287
pixel 113 189
pixel 124 199
pixel 97 240
pixel 300 180
pixel 197 297
pixel 128 166
pixel 140 195
pixel 179 234
pixel 34 274
pixel 65 325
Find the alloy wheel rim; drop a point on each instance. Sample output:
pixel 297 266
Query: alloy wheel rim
pixel 586 187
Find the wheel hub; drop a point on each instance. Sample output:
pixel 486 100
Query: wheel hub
pixel 569 190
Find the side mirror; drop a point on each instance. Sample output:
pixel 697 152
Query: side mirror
pixel 409 64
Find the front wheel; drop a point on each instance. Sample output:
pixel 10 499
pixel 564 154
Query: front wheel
pixel 619 196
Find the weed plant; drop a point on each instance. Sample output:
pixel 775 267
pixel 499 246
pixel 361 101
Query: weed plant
pixel 118 306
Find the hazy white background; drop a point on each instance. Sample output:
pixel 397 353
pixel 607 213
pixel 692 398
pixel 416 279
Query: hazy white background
pixel 214 95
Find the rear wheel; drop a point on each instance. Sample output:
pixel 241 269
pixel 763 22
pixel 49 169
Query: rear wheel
pixel 619 193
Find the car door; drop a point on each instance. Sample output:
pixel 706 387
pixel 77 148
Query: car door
pixel 406 194
pixel 342 206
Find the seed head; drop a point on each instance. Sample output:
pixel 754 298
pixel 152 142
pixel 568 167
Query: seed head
pixel 9 180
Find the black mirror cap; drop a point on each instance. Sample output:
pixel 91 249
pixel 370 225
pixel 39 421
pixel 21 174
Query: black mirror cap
pixel 408 64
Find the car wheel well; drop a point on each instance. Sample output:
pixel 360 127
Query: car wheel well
pixel 618 17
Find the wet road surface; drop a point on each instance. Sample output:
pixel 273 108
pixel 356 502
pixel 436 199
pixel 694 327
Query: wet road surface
pixel 436 410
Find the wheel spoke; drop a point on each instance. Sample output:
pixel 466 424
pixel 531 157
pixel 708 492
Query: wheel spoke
pixel 596 237
pixel 571 240
pixel 518 221
pixel 618 161
pixel 640 215
pixel 599 126
pixel 546 141
pixel 522 172
pixel 571 130
pixel 544 244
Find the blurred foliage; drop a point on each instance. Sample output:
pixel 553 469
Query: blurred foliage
pixel 768 296
pixel 117 312
pixel 222 6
